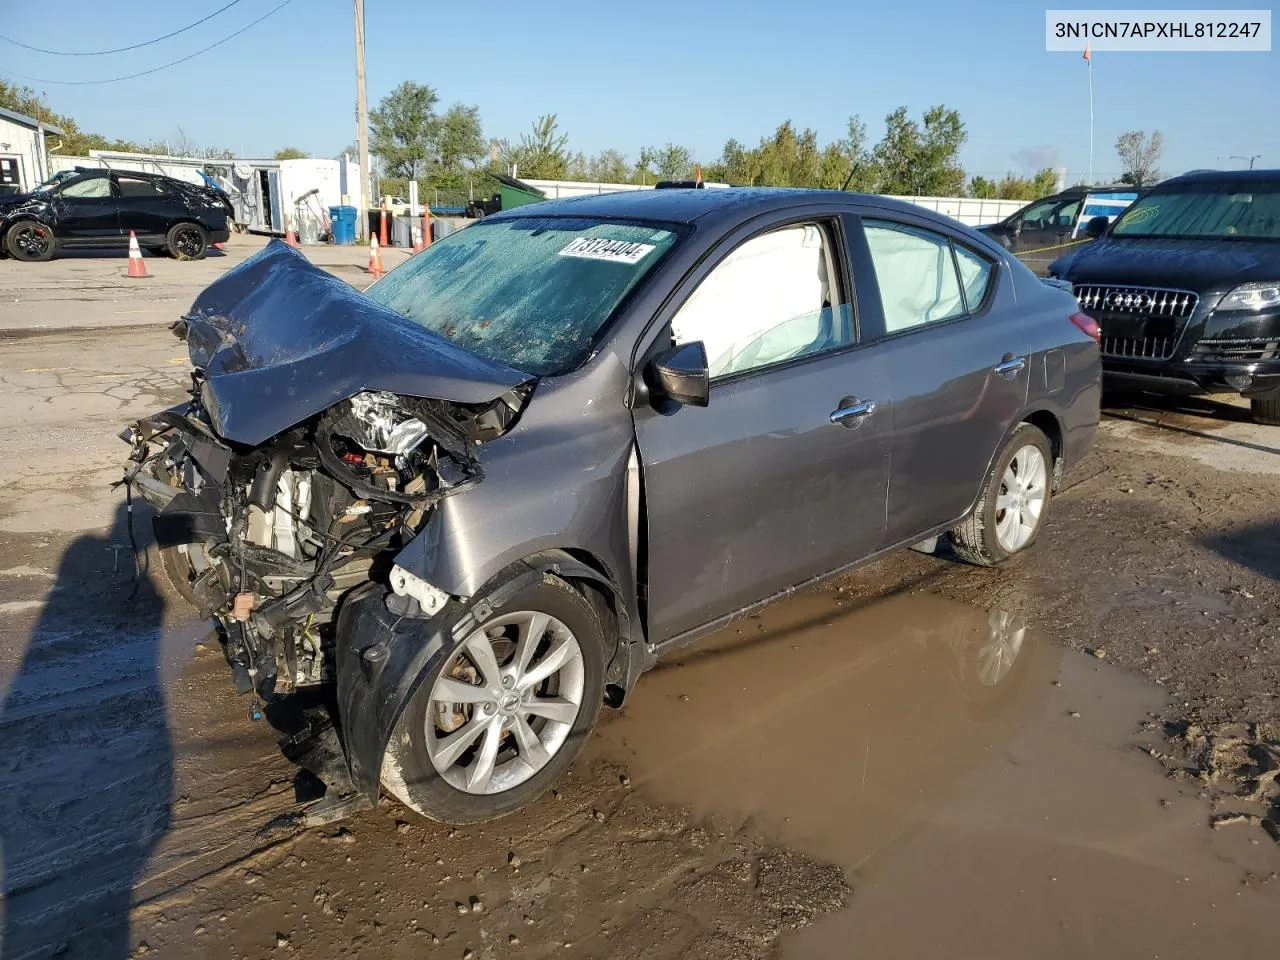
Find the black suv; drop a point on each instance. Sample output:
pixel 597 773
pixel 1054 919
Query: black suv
pixel 91 207
pixel 1186 286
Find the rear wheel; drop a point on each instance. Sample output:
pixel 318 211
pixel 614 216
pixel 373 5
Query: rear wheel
pixel 501 714
pixel 1266 408
pixel 187 241
pixel 1010 511
pixel 30 241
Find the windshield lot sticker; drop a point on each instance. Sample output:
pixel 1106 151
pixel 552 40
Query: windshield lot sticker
pixel 615 251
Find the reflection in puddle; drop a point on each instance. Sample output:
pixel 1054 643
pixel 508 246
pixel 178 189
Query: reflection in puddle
pixel 980 785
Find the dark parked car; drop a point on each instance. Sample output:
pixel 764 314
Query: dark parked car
pixel 482 497
pixel 98 208
pixel 1186 287
pixel 1038 233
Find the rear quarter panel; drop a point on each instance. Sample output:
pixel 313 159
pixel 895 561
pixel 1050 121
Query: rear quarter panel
pixel 1065 364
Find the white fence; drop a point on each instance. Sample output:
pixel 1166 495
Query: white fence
pixel 967 210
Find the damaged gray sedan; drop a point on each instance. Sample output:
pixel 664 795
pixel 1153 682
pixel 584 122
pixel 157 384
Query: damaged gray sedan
pixel 474 503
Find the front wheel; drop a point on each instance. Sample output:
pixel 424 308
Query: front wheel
pixel 30 241
pixel 187 241
pixel 501 715
pixel 1010 510
pixel 1266 408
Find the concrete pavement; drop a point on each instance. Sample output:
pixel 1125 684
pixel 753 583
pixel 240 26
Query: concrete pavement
pixel 83 290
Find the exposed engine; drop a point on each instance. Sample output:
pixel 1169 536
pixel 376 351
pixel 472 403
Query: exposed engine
pixel 268 540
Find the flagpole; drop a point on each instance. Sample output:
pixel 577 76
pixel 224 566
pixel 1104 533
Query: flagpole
pixel 1090 62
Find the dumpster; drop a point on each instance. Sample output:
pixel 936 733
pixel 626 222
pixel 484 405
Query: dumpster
pixel 343 220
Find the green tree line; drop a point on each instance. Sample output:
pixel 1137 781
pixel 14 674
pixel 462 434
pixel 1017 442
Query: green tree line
pixel 413 138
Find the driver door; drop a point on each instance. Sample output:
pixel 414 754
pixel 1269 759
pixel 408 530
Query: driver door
pixel 86 209
pixel 783 476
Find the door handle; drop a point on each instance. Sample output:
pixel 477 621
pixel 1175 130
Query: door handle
pixel 851 410
pixel 1009 367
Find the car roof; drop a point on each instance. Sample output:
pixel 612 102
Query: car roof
pixel 689 205
pixel 1223 176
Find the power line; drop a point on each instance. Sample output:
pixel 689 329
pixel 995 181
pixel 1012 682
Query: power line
pixel 163 66
pixel 136 46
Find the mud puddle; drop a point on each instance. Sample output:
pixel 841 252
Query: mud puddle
pixel 987 792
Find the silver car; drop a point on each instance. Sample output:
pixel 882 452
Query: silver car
pixel 480 499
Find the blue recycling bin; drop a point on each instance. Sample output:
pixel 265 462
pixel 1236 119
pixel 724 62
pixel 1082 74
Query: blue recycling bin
pixel 343 220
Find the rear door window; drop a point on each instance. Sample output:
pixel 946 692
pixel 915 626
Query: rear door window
pixel 139 187
pixel 924 277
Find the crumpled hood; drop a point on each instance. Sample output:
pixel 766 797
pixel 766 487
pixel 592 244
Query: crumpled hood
pixel 279 340
pixel 1197 265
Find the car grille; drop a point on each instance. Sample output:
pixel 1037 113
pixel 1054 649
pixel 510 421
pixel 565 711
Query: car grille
pixel 1145 348
pixel 1231 348
pixel 1142 323
pixel 1137 301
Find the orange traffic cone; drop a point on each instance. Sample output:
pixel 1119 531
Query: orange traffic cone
pixel 375 258
pixel 382 230
pixel 426 226
pixel 291 238
pixel 137 268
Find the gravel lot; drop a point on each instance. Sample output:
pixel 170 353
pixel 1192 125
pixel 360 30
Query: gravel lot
pixel 811 782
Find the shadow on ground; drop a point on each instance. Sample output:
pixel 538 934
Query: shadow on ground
pixel 1256 547
pixel 86 764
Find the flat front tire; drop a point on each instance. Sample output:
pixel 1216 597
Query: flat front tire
pixel 501 714
pixel 1011 508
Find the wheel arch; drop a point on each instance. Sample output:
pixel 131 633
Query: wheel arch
pixel 382 655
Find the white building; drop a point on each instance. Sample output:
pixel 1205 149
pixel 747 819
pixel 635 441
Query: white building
pixel 24 152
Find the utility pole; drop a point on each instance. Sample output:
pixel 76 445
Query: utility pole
pixel 362 120
pixel 1256 156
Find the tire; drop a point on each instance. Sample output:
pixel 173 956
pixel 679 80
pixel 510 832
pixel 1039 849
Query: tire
pixel 442 789
pixel 30 241
pixel 187 241
pixel 1266 408
pixel 983 538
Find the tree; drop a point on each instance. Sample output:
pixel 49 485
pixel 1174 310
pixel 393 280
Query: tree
pixel 912 160
pixel 460 143
pixel 1140 156
pixel 404 130
pixel 542 154
pixel 608 166
pixel 291 153
pixel 983 189
pixel 672 162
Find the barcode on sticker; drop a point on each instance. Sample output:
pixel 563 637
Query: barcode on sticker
pixel 598 248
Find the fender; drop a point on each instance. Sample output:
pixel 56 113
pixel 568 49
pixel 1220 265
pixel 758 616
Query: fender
pixel 383 654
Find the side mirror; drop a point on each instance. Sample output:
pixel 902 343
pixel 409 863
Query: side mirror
pixel 681 373
pixel 1015 226
pixel 1096 227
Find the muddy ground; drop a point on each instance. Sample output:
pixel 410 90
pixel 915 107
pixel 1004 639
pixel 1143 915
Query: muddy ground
pixel 922 759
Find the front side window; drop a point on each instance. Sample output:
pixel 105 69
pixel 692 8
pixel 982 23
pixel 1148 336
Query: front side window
pixel 88 188
pixel 530 292
pixel 1034 214
pixel 917 276
pixel 1236 210
pixel 771 300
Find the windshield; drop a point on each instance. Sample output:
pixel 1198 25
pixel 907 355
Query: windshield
pixel 532 293
pixel 47 185
pixel 1242 211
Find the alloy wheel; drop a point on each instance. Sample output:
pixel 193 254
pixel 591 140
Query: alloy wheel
pixel 1020 503
pixel 504 704
pixel 187 242
pixel 32 240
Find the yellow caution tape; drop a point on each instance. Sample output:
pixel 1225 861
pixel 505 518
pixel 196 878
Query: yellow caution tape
pixel 1056 246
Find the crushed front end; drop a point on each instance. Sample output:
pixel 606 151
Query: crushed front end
pixel 269 540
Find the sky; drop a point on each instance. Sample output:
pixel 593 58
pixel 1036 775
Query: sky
pixel 626 76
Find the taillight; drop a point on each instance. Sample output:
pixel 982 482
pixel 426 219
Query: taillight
pixel 1087 325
